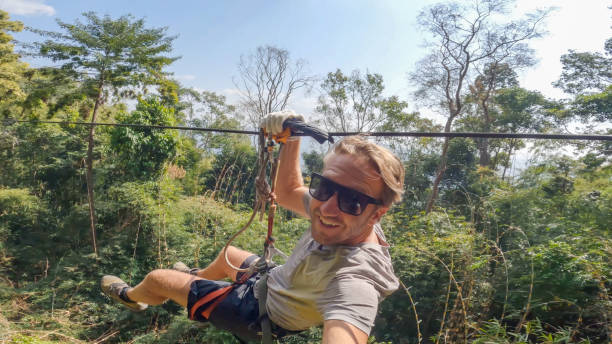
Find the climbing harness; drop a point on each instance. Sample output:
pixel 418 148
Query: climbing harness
pixel 264 195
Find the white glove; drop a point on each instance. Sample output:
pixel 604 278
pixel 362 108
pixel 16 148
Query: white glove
pixel 272 123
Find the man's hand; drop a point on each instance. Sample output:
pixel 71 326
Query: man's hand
pixel 272 123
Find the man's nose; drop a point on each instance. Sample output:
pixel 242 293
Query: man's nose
pixel 330 207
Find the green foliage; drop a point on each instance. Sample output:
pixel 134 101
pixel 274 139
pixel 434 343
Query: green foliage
pixel 22 220
pixel 52 169
pixel 51 91
pixel 494 332
pixel 21 339
pixel 311 336
pixel 423 248
pixel 585 72
pixel 461 159
pixel 521 110
pixel 11 69
pixel 588 77
pixel 540 247
pixel 232 174
pixel 597 106
pixel 141 152
pixel 313 162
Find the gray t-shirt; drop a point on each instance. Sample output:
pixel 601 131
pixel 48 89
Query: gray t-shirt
pixel 320 283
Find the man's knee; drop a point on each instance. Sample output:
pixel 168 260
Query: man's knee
pixel 157 276
pixel 232 251
pixel 235 255
pixel 220 268
pixel 161 284
pixel 152 276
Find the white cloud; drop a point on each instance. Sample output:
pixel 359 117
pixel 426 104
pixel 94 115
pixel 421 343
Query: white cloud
pixel 27 7
pixel 232 95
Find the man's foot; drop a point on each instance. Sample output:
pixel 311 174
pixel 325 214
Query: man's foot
pixel 182 267
pixel 114 286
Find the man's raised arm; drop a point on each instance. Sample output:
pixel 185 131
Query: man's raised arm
pixel 290 190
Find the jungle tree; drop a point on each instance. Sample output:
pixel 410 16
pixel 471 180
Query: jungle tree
pixel 465 38
pixel 586 72
pixel 109 57
pixel 351 102
pixel 520 110
pixel 588 77
pixel 494 77
pixel 355 103
pixel 141 152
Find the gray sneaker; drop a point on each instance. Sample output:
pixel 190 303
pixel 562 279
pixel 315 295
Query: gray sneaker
pixel 182 267
pixel 113 285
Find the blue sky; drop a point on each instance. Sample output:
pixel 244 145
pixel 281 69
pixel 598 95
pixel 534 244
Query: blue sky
pixel 379 36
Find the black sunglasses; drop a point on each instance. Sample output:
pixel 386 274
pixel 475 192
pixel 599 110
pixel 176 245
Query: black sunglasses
pixel 350 201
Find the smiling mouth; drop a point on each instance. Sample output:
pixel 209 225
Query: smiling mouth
pixel 329 224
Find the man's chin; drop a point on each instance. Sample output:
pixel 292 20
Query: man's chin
pixel 321 239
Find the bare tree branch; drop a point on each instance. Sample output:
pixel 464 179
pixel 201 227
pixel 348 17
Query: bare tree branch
pixel 268 80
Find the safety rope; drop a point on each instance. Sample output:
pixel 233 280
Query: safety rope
pixel 264 193
pixel 536 136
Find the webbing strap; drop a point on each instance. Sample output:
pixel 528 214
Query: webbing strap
pixel 266 327
pixel 216 296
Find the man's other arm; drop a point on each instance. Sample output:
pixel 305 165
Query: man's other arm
pixel 338 331
pixel 290 189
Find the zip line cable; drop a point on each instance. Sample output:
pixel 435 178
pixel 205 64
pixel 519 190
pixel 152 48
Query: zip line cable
pixel 383 134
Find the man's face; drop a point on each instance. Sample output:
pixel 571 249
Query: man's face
pixel 330 225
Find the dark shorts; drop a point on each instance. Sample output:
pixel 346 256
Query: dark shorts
pixel 238 313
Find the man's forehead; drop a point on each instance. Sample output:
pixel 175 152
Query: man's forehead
pixel 350 165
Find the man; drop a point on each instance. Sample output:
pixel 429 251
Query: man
pixel 337 274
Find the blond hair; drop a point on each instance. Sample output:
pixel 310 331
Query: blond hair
pixel 386 164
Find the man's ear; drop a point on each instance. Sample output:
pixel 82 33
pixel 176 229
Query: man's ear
pixel 375 217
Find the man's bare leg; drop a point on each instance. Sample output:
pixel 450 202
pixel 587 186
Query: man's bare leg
pixel 219 269
pixel 160 285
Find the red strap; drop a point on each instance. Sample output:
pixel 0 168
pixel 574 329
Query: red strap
pixel 209 309
pixel 217 295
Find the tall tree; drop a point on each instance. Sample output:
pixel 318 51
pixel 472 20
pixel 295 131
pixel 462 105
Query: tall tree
pixel 11 69
pixel 494 77
pixel 355 103
pixel 465 38
pixel 268 79
pixel 109 57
